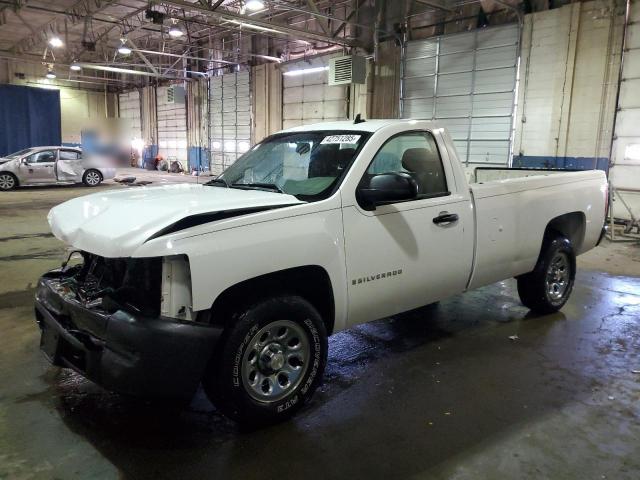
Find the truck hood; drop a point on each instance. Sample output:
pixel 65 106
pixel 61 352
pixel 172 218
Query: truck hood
pixel 115 223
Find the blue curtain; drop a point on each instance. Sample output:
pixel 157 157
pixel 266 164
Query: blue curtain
pixel 29 117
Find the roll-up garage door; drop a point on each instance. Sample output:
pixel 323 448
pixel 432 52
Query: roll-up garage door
pixel 467 83
pixel 129 104
pixel 172 124
pixel 308 98
pixel 625 159
pixel 229 118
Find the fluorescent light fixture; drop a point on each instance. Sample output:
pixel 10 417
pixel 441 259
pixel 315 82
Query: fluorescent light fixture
pixel 269 57
pixel 304 71
pixel 50 75
pixel 175 32
pixel 254 5
pixel 75 67
pixel 255 27
pixel 55 42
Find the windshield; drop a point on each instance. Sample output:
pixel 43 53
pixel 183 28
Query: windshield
pixel 19 153
pixel 308 165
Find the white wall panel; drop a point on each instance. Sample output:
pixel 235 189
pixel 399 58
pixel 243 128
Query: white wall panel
pixel 172 127
pixel 129 104
pixel 466 81
pixel 229 118
pixel 308 98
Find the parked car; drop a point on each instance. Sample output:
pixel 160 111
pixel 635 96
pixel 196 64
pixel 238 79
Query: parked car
pixel 51 166
pixel 238 283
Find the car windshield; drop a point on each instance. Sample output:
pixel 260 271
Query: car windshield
pixel 19 153
pixel 308 165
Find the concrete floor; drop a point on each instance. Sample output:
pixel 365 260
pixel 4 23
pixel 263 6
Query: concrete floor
pixel 442 392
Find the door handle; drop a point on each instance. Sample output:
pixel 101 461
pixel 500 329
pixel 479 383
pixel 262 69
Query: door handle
pixel 445 219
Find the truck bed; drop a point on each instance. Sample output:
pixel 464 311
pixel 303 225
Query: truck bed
pixel 511 215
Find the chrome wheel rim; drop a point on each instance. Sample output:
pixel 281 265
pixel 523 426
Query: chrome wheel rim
pixel 93 178
pixel 7 182
pixel 275 361
pixel 558 276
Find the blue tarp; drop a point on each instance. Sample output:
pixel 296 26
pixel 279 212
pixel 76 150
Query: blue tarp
pixel 29 117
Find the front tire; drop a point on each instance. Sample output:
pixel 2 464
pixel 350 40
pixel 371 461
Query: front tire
pixel 92 178
pixel 8 181
pixel 547 288
pixel 270 362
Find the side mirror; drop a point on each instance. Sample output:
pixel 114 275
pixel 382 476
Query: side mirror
pixel 387 188
pixel 24 161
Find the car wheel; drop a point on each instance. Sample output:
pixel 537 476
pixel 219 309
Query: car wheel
pixel 8 181
pixel 92 178
pixel 548 287
pixel 270 361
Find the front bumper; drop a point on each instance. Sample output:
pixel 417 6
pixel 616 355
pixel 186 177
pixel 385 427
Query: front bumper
pixel 144 357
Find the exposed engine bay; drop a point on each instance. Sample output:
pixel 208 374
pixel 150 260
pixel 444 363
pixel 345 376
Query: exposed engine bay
pixel 110 284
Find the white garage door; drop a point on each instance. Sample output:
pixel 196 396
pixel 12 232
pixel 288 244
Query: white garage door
pixel 129 104
pixel 625 171
pixel 307 97
pixel 172 124
pixel 467 82
pixel 229 118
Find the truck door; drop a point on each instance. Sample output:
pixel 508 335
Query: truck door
pixel 39 167
pixel 408 254
pixel 69 167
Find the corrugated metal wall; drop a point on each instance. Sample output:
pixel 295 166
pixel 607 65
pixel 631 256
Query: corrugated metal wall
pixel 172 126
pixel 129 104
pixel 625 159
pixel 467 82
pixel 229 118
pixel 308 98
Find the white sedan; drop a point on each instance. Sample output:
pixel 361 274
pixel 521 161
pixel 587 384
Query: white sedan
pixel 51 166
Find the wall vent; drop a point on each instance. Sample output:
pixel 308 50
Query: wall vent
pixel 349 69
pixel 175 94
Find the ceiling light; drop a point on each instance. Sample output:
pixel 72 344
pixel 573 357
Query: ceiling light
pixel 255 27
pixel 50 75
pixel 175 32
pixel 55 42
pixel 75 67
pixel 254 5
pixel 123 49
pixel 304 71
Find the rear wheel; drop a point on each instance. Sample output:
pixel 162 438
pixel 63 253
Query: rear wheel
pixel 270 362
pixel 92 178
pixel 8 181
pixel 548 287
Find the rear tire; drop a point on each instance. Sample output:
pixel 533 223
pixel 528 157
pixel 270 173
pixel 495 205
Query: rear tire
pixel 270 361
pixel 547 288
pixel 8 181
pixel 92 178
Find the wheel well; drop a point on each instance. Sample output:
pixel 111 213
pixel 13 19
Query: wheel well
pixel 311 282
pixel 571 225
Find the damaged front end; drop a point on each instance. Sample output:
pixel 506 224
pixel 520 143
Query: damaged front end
pixel 125 323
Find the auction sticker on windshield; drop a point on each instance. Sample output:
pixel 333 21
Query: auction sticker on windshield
pixel 341 139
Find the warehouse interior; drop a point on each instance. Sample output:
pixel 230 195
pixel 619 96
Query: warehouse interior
pixel 473 386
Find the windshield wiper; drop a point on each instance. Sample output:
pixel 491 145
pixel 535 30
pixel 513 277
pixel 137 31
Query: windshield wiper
pixel 218 182
pixel 258 186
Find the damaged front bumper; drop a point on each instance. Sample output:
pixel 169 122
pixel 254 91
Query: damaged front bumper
pixel 122 352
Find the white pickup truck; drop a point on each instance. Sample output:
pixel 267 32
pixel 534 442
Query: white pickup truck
pixel 237 283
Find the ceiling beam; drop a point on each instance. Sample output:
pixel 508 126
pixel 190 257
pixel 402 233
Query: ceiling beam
pixel 437 5
pixel 252 22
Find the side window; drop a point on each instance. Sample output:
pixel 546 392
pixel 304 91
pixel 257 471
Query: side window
pixel 69 155
pixel 45 156
pixel 417 154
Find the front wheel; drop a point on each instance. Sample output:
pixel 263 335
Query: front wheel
pixel 92 178
pixel 8 181
pixel 547 288
pixel 270 362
